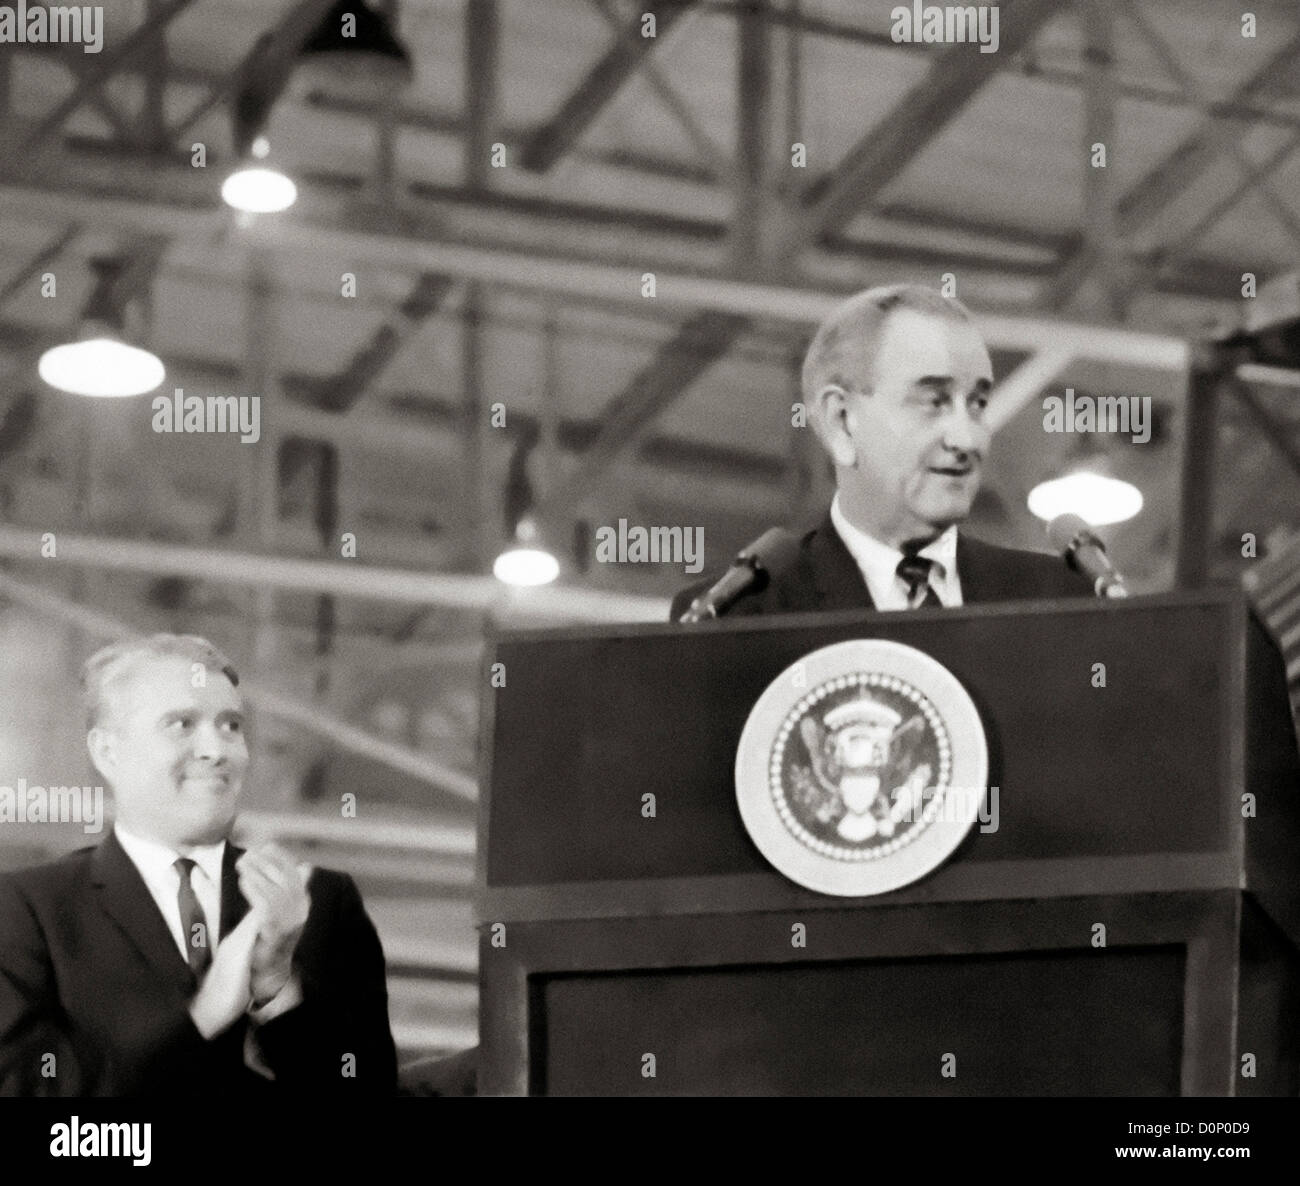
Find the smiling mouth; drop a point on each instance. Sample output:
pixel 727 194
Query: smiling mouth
pixel 952 471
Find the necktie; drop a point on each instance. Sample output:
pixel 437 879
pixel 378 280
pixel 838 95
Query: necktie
pixel 197 948
pixel 915 571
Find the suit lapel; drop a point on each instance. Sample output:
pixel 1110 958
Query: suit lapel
pixel 126 899
pixel 836 578
pixel 983 574
pixel 233 904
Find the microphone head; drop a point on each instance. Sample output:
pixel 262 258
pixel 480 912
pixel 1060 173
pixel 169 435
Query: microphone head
pixel 773 552
pixel 1065 531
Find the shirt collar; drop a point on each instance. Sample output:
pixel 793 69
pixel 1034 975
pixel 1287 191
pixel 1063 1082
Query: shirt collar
pixel 871 554
pixel 154 858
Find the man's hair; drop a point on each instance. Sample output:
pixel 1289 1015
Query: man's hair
pixel 844 348
pixel 112 663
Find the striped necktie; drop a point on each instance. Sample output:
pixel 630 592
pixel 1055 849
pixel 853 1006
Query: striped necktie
pixel 915 571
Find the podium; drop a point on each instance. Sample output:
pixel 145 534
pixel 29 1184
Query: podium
pixel 1130 927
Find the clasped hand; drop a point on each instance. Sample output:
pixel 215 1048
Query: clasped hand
pixel 254 962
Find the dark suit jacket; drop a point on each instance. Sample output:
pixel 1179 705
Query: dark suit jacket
pixel 90 974
pixel 825 577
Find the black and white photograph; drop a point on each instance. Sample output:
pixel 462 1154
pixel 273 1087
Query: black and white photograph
pixel 714 549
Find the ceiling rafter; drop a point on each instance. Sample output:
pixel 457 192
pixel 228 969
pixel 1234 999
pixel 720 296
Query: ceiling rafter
pixel 31 146
pixel 266 66
pixel 343 390
pixel 547 144
pixel 926 109
pixel 1172 176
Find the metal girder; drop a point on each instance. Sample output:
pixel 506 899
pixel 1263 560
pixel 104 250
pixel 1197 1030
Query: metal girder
pixel 926 109
pixel 343 390
pixel 1225 139
pixel 697 345
pixel 1176 173
pixel 511 268
pixel 1171 177
pixel 1193 235
pixel 1099 189
pixel 265 68
pixel 751 202
pixel 482 90
pixel 1210 369
pixel 1278 433
pixel 43 136
pixel 714 157
pixel 548 143
pixel 345 578
pixel 51 251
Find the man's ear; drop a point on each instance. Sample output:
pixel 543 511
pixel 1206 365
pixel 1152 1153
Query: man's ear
pixel 102 745
pixel 835 424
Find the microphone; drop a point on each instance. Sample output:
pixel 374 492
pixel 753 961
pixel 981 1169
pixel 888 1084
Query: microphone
pixel 1086 554
pixel 773 552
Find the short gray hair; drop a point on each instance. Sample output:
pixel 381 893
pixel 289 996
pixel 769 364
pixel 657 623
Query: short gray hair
pixel 110 664
pixel 844 347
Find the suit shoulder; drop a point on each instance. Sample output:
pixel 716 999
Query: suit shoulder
pixel 334 885
pixel 49 878
pixel 1043 574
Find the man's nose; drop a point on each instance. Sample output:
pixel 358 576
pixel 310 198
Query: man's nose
pixel 209 745
pixel 965 433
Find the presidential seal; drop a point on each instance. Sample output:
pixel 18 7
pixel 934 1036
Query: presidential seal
pixel 861 768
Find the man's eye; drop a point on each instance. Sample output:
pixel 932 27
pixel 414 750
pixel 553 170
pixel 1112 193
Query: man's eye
pixel 180 724
pixel 234 726
pixel 980 402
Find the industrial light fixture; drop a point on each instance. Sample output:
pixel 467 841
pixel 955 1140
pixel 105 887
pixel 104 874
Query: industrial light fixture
pixel 1094 496
pixel 256 187
pixel 353 54
pixel 526 562
pixel 101 362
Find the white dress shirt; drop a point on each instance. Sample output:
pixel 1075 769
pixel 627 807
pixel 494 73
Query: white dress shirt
pixel 879 564
pixel 157 865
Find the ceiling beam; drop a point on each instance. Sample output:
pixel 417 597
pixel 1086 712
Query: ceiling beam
pixel 752 204
pixel 522 270
pixel 956 75
pixel 697 345
pixel 482 89
pixel 344 578
pixel 29 149
pixel 341 391
pixel 265 68
pixel 1175 174
pixel 34 266
pixel 547 144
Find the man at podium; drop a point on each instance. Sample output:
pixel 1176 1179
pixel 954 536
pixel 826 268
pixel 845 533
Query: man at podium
pixel 896 383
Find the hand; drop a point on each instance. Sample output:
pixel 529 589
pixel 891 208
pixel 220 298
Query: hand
pixel 225 991
pixel 276 889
